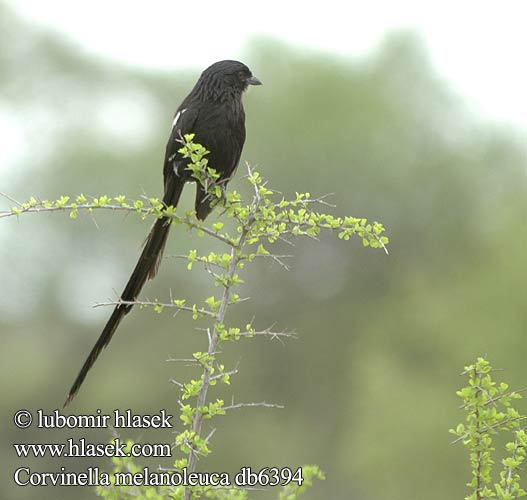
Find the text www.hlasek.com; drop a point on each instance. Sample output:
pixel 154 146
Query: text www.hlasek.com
pixel 81 448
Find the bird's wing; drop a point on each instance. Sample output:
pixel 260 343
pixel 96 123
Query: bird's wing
pixel 184 123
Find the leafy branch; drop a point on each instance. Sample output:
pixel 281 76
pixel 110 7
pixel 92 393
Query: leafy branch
pixel 250 226
pixel 489 412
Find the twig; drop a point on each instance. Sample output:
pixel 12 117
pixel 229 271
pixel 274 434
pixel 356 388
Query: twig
pixel 268 333
pixel 147 303
pixel 10 199
pixel 234 406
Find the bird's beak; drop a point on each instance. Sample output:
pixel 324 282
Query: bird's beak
pixel 253 81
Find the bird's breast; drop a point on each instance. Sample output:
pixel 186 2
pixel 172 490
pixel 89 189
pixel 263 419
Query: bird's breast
pixel 223 134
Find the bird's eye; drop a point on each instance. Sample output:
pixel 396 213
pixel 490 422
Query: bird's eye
pixel 241 75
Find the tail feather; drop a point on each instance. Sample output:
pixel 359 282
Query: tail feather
pixel 146 268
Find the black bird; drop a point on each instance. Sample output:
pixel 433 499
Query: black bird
pixel 213 111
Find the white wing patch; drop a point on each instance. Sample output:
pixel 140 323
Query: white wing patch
pixel 174 123
pixel 176 118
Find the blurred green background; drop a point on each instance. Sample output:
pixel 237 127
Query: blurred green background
pixel 369 387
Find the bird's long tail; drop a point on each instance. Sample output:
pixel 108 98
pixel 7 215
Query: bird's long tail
pixel 146 268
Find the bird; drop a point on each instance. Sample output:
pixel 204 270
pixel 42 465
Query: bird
pixel 212 111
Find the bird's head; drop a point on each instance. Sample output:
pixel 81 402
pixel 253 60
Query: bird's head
pixel 228 77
